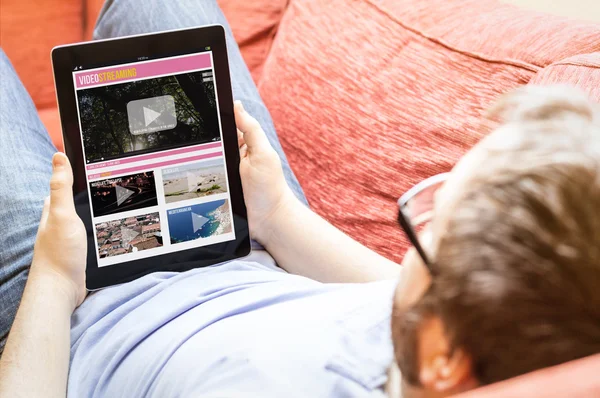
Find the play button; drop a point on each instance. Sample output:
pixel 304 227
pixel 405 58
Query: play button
pixel 193 181
pixel 198 221
pixel 123 194
pixel 150 115
pixel 128 234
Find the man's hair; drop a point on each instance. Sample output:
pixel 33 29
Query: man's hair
pixel 516 273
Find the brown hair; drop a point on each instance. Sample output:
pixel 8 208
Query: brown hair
pixel 517 271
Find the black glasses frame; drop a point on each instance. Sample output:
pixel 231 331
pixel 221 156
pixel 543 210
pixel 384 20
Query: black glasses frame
pixel 411 234
pixel 404 217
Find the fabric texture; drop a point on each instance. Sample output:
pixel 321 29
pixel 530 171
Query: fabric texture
pixel 582 71
pixel 29 30
pixel 25 170
pixel 364 111
pixel 92 10
pixel 254 25
pixel 241 329
pixel 576 379
pixel 51 120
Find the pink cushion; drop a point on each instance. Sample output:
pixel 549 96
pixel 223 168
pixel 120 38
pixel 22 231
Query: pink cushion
pixel 254 24
pixel 29 30
pixel 581 71
pixel 92 12
pixel 576 379
pixel 51 120
pixel 372 96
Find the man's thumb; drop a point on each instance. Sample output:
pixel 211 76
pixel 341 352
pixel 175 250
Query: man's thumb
pixel 254 136
pixel 61 184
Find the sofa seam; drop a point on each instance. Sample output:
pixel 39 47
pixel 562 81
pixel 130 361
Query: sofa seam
pixel 585 65
pixel 482 57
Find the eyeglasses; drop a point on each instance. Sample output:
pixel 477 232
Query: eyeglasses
pixel 415 210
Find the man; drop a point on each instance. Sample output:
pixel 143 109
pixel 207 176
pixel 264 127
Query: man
pixel 503 231
pixel 513 252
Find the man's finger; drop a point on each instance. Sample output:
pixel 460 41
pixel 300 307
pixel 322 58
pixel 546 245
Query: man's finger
pixel 61 184
pixel 254 136
pixel 240 138
pixel 243 151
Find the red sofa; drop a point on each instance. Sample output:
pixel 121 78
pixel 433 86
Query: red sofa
pixel 369 97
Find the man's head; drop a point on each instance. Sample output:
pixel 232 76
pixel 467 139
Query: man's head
pixel 515 251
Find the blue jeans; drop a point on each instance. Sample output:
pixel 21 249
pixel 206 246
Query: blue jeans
pixel 26 150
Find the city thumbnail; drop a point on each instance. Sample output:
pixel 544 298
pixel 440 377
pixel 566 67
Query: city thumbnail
pixel 129 235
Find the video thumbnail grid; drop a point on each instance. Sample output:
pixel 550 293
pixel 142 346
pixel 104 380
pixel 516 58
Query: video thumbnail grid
pixel 192 183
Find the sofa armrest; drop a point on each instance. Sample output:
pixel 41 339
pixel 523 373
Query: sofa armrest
pixel 575 379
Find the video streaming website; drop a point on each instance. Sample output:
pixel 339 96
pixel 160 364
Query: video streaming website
pixel 152 141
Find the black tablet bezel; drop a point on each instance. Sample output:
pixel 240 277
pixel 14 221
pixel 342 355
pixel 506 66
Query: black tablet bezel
pixel 65 59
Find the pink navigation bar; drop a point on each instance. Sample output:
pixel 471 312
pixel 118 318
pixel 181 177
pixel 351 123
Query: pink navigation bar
pixel 155 165
pixel 137 71
pixel 151 156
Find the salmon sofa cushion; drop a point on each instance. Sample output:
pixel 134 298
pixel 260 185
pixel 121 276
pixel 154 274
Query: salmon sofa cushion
pixel 371 96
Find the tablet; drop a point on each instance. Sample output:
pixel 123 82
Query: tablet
pixel 149 129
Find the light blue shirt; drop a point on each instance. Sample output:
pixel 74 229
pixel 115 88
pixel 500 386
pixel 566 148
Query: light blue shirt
pixel 240 329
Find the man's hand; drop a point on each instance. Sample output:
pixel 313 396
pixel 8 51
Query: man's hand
pixel 301 242
pixel 265 189
pixel 39 340
pixel 61 245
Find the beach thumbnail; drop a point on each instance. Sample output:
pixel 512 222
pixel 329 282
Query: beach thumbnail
pixel 125 193
pixel 199 221
pixel 194 180
pixel 129 235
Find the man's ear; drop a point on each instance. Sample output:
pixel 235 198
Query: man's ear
pixel 441 369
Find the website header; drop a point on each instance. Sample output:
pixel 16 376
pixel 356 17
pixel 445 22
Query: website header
pixel 141 70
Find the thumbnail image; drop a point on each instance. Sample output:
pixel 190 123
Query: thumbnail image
pixel 149 115
pixel 130 192
pixel 194 180
pixel 199 221
pixel 129 235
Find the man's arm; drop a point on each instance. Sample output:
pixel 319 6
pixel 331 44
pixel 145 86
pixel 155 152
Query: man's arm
pixel 36 357
pixel 301 242
pixel 35 362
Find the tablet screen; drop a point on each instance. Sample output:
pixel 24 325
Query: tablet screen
pixel 156 175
